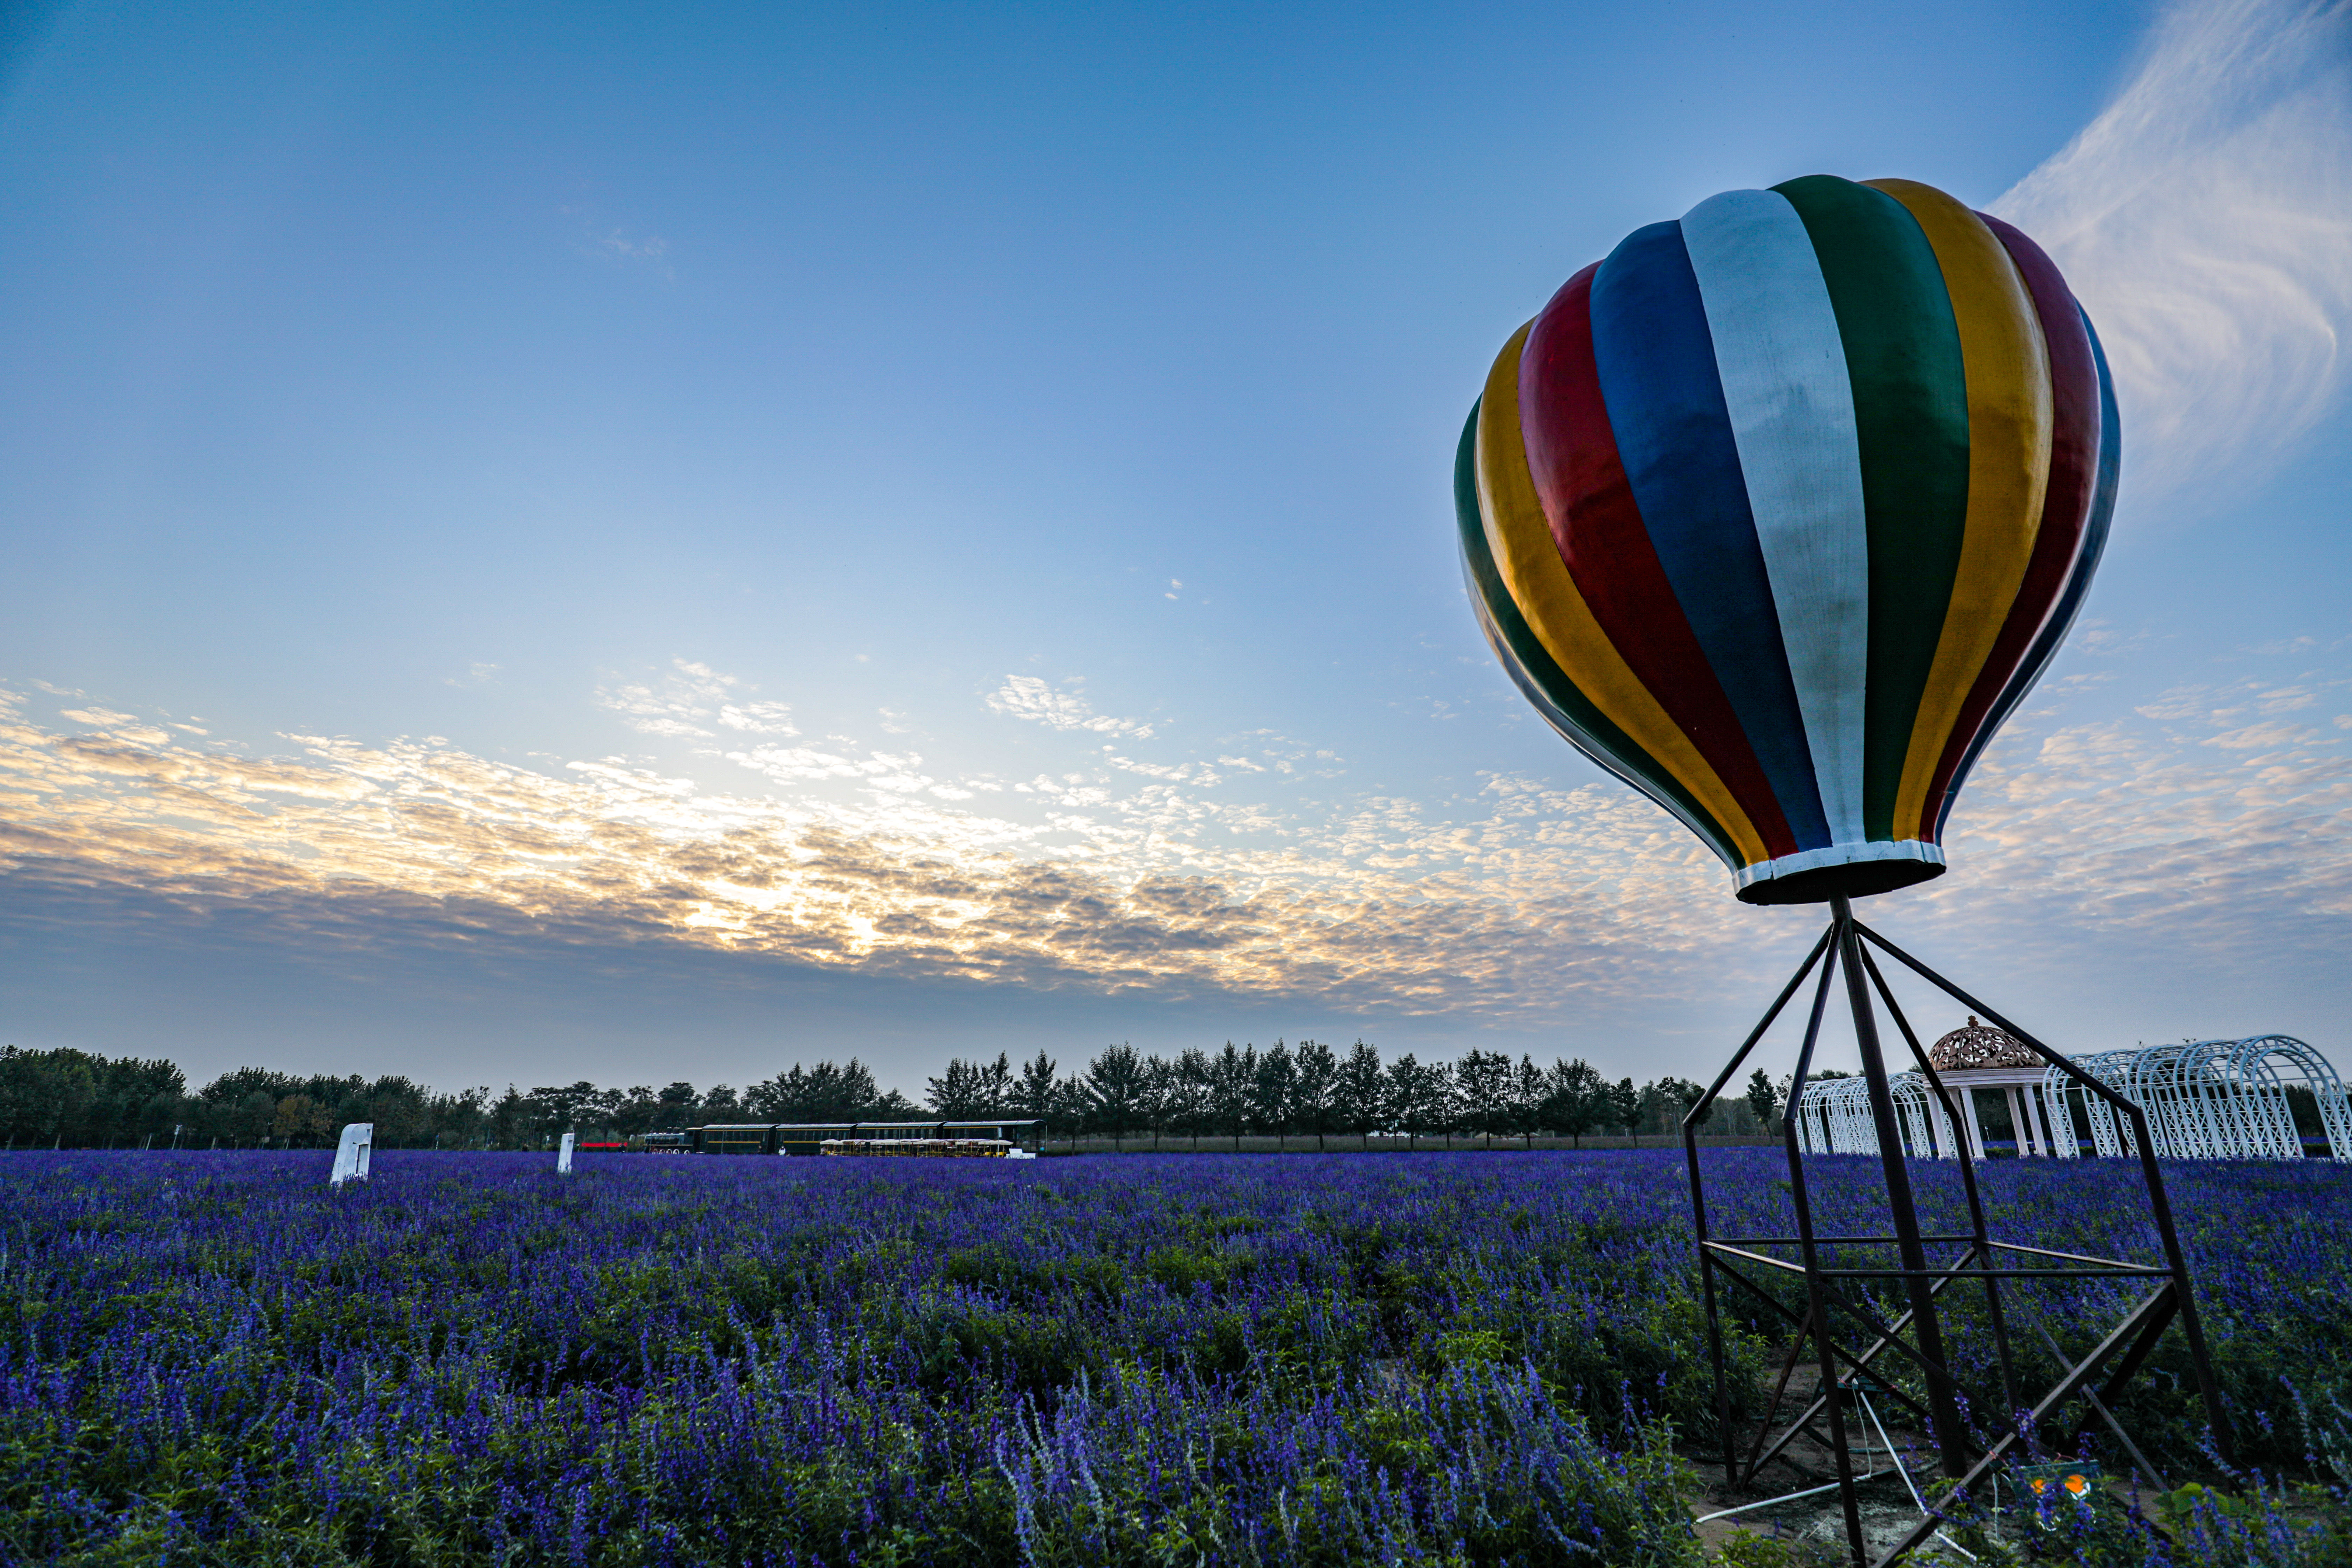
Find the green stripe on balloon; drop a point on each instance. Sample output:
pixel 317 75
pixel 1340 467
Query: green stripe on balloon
pixel 1590 729
pixel 1911 411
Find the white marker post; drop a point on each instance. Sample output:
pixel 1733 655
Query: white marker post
pixel 352 1153
pixel 564 1156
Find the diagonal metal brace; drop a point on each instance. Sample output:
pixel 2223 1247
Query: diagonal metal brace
pixel 2141 1328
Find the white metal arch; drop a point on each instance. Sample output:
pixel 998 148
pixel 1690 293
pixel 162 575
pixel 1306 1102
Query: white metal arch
pixel 2214 1100
pixel 1834 1117
pixel 2204 1099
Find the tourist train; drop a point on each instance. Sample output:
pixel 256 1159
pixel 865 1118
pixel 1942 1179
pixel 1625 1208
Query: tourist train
pixel 994 1138
pixel 2204 1099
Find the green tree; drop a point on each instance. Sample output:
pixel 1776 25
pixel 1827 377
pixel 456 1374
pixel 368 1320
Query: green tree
pixel 1418 1097
pixel 676 1108
pixel 1531 1086
pixel 45 1096
pixel 1764 1100
pixel 1233 1090
pixel 1665 1103
pixel 996 1086
pixel 1360 1092
pixel 401 1111
pixel 1115 1091
pixel 1482 1092
pixel 460 1121
pixel 1161 1100
pixel 826 1093
pixel 1313 1090
pixel 238 1108
pixel 1448 1112
pixel 959 1093
pixel 70 1099
pixel 558 1110
pixel 248 1122
pixel 1577 1100
pixel 1625 1105
pixel 510 1121
pixel 638 1112
pixel 1273 1088
pixel 301 1121
pixel 1039 1092
pixel 1193 1093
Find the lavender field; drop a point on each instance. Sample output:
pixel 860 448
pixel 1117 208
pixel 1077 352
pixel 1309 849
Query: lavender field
pixel 1464 1358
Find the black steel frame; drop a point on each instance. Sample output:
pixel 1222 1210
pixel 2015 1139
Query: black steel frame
pixel 1845 945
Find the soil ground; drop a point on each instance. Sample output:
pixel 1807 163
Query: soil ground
pixel 1887 1510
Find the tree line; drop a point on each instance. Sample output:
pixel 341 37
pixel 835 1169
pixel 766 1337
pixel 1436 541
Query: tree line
pixel 1315 1090
pixel 75 1099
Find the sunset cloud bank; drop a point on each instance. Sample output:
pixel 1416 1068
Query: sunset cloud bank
pixel 2196 824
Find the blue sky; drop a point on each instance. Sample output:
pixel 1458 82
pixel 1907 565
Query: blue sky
pixel 640 542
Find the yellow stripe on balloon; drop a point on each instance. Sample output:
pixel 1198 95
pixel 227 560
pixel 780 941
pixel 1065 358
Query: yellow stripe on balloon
pixel 1528 560
pixel 2007 365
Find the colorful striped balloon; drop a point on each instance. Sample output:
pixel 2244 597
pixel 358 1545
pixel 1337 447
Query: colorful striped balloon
pixel 1778 513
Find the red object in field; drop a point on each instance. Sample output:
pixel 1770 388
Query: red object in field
pixel 600 1148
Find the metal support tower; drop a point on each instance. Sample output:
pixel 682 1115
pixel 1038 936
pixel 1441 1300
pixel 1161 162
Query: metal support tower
pixel 1849 1338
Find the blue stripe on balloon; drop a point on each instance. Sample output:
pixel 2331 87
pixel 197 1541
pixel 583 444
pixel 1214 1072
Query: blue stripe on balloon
pixel 2078 584
pixel 1659 381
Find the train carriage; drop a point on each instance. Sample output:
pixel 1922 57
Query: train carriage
pixel 1013 1137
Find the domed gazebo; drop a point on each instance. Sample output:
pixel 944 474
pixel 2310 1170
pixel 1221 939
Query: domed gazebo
pixel 1978 1056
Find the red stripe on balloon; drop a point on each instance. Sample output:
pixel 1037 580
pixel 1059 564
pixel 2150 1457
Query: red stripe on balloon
pixel 1572 458
pixel 2065 506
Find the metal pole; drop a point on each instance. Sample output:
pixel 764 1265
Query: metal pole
pixel 1816 1297
pixel 1943 1409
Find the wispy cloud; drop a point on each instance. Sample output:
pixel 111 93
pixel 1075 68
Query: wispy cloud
pixel 2205 220
pixel 881 770
pixel 1026 696
pixel 650 247
pixel 691 697
pixel 1199 774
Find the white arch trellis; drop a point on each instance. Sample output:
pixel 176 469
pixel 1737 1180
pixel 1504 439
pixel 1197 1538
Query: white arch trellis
pixel 2205 1099
pixel 2213 1100
pixel 1834 1116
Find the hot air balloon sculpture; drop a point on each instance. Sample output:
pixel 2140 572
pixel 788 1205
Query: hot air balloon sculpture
pixel 1777 513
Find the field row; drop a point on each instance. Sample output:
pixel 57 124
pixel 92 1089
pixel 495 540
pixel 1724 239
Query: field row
pixel 1476 1357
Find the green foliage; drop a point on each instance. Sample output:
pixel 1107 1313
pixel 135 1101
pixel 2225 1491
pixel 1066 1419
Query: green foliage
pixel 1746 1549
pixel 79 1100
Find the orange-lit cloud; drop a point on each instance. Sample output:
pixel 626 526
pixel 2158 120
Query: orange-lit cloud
pixel 2198 821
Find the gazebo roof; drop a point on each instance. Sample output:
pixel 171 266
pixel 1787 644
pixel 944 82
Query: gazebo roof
pixel 1980 1046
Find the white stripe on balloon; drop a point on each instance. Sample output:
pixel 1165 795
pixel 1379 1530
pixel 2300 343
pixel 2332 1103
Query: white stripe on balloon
pixel 1782 363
